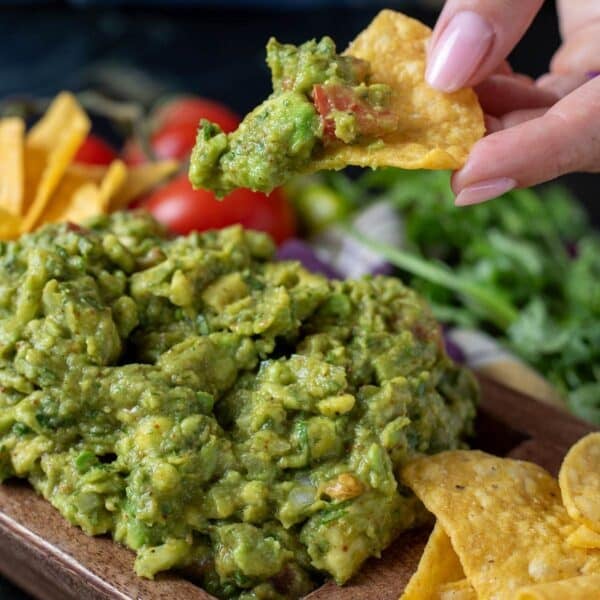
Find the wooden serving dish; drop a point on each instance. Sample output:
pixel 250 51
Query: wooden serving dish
pixel 52 560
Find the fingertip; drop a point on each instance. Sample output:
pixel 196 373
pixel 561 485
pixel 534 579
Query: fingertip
pixel 543 145
pixel 454 183
pixel 481 191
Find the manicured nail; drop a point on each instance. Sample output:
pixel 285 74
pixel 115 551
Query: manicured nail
pixel 459 51
pixel 592 74
pixel 484 190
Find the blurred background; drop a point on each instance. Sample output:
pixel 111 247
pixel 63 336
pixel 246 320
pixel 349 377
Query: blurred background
pixel 144 49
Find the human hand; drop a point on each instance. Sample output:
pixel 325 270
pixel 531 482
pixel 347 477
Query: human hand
pixel 537 130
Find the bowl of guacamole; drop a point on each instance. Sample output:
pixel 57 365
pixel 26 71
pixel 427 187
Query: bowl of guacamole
pixel 214 410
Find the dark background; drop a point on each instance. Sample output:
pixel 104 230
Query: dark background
pixel 208 50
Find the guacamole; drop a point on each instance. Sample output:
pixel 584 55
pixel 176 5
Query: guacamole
pixel 218 412
pixel 319 98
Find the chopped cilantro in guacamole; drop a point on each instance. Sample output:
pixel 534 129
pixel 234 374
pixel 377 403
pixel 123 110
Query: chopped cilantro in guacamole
pixel 215 410
pixel 319 98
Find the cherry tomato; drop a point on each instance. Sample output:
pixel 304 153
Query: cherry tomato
pixel 190 109
pixel 183 209
pixel 174 141
pixel 95 151
pixel 175 127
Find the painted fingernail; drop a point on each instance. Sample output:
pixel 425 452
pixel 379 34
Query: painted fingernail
pixel 459 51
pixel 592 74
pixel 484 190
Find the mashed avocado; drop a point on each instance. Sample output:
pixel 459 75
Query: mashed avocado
pixel 216 411
pixel 319 98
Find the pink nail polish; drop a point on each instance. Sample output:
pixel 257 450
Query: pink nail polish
pixel 459 51
pixel 484 190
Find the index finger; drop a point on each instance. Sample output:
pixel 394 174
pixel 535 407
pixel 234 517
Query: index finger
pixel 473 37
pixel 565 139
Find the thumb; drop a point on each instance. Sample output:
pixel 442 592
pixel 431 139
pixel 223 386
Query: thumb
pixel 565 139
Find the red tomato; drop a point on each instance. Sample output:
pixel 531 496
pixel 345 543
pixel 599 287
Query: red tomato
pixel 371 121
pixel 175 127
pixel 183 209
pixel 174 141
pixel 190 109
pixel 95 151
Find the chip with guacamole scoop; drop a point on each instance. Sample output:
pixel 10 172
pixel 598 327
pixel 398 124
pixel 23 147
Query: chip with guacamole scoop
pixel 369 106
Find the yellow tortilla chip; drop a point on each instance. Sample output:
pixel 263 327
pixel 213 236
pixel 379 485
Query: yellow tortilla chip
pixel 113 181
pixel 437 130
pixel 77 198
pixel 85 191
pixel 142 179
pixel 50 146
pixel 579 481
pixel 34 160
pixel 504 518
pixel 585 587
pixel 85 203
pixel 63 197
pixel 456 590
pixel 94 173
pixel 438 565
pixel 10 226
pixel 584 537
pixel 12 176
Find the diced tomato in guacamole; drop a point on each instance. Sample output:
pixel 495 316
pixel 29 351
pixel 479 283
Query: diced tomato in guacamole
pixel 349 112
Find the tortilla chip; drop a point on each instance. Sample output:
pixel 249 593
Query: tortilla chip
pixel 12 176
pixel 34 161
pixel 504 518
pixel 437 130
pixel 457 590
pixel 50 146
pixel 112 182
pixel 10 226
pixel 579 481
pixel 585 587
pixel 63 197
pixel 85 203
pixel 584 537
pixel 141 180
pixel 438 565
pixel 77 199
pixel 94 173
